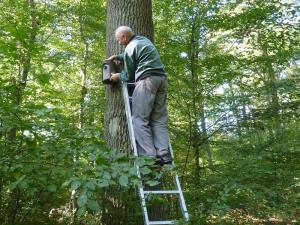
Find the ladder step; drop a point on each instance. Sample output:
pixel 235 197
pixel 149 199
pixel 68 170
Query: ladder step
pixel 132 84
pixel 161 222
pixel 162 192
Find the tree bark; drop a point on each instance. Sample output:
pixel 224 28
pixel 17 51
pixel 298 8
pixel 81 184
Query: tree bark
pixel 204 134
pixel 194 83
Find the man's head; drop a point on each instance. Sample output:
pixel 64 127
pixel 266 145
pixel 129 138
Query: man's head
pixel 123 35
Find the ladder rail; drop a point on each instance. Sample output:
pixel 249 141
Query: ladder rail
pixel 162 222
pixel 128 115
pixel 178 186
pixel 133 145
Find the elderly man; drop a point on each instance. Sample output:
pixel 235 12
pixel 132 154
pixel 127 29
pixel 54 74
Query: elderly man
pixel 149 107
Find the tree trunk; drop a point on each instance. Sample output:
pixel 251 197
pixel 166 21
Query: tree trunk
pixel 81 121
pixel 14 206
pixel 25 64
pixel 136 14
pixel 84 90
pixel 205 142
pixel 194 50
pixel 24 69
pixel 271 82
pixel 200 137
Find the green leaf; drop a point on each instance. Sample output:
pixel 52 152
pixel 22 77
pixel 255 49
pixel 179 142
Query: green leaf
pixel 93 205
pixel 42 78
pixel 81 211
pixel 90 185
pixel 123 180
pixel 16 183
pixel 103 183
pixel 114 174
pixel 106 176
pixel 42 112
pixel 66 183
pixel 133 171
pixel 145 170
pixel 140 161
pixel 75 184
pixel 12 186
pixel 52 188
pixel 82 199
pixel 23 184
pixel 152 183
pixel 92 157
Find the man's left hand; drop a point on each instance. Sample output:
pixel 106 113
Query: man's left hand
pixel 115 77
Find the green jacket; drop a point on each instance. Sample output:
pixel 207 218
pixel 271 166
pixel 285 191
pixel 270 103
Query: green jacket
pixel 140 58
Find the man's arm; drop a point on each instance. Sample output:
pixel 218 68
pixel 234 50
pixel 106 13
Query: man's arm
pixel 119 76
pixel 118 57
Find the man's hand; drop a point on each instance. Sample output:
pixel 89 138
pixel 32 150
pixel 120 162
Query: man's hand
pixel 112 57
pixel 115 77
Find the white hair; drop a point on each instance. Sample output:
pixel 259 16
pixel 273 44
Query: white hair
pixel 124 30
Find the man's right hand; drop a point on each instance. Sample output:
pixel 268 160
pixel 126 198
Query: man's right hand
pixel 115 77
pixel 112 57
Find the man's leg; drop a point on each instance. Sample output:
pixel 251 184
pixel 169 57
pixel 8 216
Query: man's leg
pixel 158 122
pixel 142 104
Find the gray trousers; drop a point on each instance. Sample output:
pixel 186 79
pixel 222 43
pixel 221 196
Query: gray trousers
pixel 149 109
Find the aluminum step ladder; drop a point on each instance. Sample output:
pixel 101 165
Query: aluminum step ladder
pixel 127 89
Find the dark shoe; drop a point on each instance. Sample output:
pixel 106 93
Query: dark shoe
pixel 167 159
pixel 157 161
pixel 165 156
